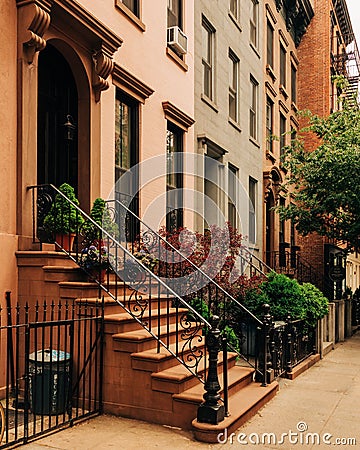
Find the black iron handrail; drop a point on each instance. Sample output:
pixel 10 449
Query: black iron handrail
pixel 233 315
pixel 134 302
pixel 294 264
pixel 291 262
pixel 144 294
pixel 194 266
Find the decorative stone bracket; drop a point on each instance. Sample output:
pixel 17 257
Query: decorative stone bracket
pixel 103 67
pixel 33 21
pixel 34 18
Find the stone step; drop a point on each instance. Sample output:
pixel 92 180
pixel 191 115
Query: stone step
pixel 113 307
pixel 80 289
pixel 62 273
pixel 33 258
pixel 178 378
pixel 242 406
pixel 140 340
pixel 157 361
pixel 185 404
pixel 124 322
pixel 238 378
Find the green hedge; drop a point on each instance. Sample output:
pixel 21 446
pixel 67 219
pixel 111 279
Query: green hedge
pixel 286 296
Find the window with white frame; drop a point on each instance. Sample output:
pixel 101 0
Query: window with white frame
pixel 254 19
pixel 233 85
pixel 208 41
pixel 254 85
pixel 252 209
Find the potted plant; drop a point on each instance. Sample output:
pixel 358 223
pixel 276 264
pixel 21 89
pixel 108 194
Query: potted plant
pixel 95 261
pixel 147 259
pixel 99 214
pixel 130 270
pixel 64 220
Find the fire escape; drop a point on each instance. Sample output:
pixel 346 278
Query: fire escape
pixel 345 56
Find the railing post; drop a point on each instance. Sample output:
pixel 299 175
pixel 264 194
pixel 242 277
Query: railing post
pixel 211 411
pixel 288 344
pixel 225 374
pixel 265 357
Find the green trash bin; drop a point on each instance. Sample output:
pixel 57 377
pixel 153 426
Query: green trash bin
pixel 49 381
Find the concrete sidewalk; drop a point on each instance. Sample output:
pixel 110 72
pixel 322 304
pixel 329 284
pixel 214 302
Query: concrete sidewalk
pixel 312 412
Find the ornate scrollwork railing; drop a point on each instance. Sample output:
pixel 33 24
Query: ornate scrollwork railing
pixel 163 282
pixel 193 283
pixel 128 280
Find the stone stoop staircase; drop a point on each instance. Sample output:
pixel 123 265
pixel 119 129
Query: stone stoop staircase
pixel 140 380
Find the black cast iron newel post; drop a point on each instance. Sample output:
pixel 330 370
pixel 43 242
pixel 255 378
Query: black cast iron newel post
pixel 211 410
pixel 265 357
pixel 289 344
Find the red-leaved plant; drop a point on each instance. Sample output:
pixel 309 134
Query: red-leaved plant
pixel 217 252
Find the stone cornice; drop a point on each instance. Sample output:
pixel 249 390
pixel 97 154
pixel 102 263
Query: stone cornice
pixel 298 14
pixel 174 114
pixel 131 84
pixel 206 143
pixel 110 41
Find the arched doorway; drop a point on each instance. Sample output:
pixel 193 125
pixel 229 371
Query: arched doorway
pixel 57 148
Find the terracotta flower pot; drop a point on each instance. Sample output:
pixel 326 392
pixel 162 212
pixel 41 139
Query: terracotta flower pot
pixel 64 242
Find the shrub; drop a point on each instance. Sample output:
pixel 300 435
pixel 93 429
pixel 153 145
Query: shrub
pixel 285 296
pixel 200 306
pixel 253 300
pixel 101 215
pixel 316 304
pixel 63 217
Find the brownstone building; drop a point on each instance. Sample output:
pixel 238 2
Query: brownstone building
pixel 328 49
pixel 284 27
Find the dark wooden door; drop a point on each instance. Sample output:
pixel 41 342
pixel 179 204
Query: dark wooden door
pixel 57 158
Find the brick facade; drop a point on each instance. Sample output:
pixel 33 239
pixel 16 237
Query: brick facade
pixel 315 91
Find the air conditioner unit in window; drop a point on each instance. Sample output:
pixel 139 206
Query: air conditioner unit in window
pixel 177 40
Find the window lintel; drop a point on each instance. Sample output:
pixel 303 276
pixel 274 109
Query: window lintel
pixel 178 117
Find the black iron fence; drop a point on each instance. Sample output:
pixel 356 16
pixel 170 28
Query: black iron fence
pixel 291 342
pixel 288 343
pixel 50 373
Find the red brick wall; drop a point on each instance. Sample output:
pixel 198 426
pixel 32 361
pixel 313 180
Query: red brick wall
pixel 314 94
pixel 314 81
